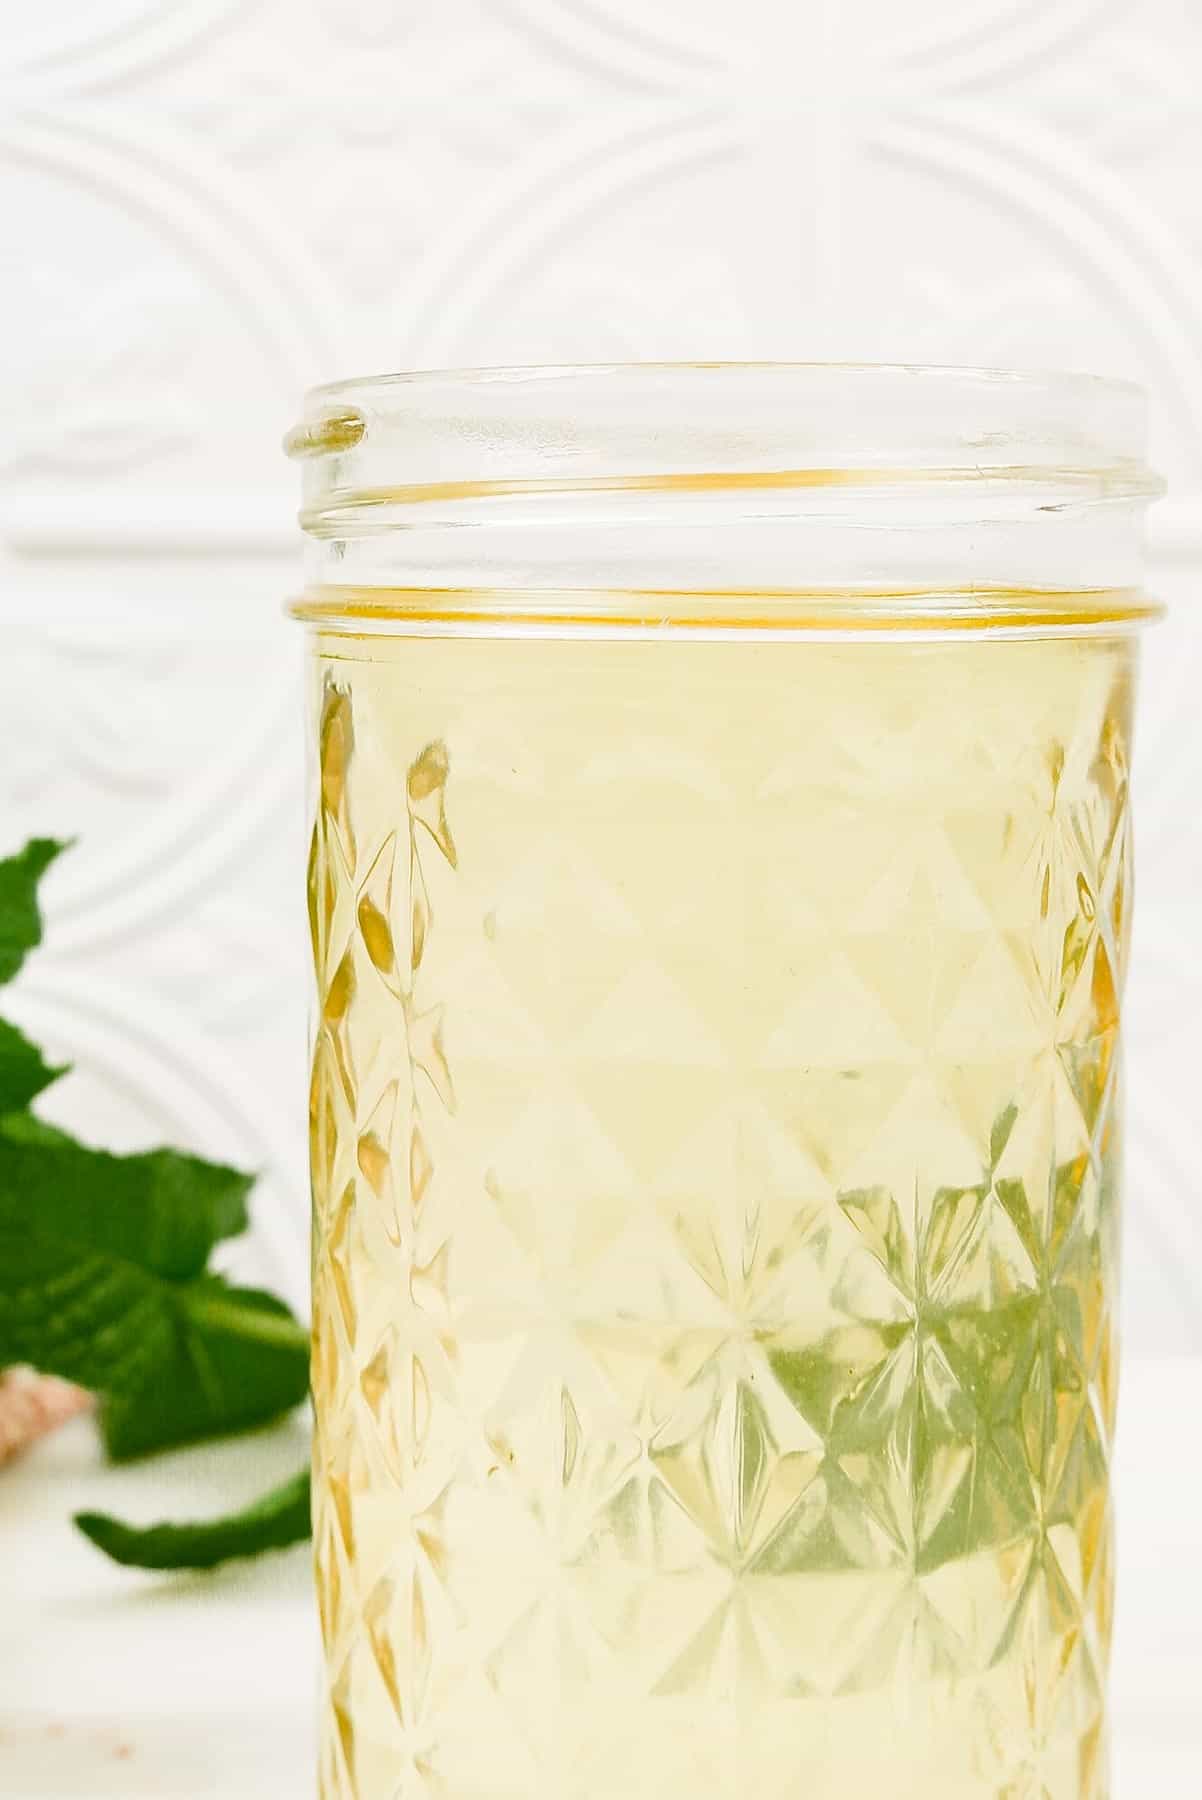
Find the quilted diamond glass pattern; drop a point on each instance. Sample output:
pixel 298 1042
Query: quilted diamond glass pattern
pixel 715 1130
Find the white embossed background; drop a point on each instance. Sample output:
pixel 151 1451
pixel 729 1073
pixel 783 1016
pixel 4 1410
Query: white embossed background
pixel 209 204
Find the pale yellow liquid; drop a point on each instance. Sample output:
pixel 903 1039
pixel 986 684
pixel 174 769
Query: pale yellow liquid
pixel 715 1146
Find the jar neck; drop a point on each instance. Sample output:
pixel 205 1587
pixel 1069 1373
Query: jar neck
pixel 728 492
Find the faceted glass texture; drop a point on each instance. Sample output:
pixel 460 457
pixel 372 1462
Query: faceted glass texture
pixel 715 1137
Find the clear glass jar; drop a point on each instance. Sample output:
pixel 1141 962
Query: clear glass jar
pixel 720 894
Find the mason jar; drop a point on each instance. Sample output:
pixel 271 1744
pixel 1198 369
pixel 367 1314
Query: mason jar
pixel 720 891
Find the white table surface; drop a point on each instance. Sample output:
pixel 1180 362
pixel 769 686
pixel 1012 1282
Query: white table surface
pixel 119 1686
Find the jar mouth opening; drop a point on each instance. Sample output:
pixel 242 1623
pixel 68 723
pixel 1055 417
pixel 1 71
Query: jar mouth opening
pixel 965 374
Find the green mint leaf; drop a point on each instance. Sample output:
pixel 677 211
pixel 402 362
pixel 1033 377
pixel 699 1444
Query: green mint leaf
pixel 280 1518
pixel 235 1358
pixel 20 920
pixel 160 1209
pixel 102 1282
pixel 24 1072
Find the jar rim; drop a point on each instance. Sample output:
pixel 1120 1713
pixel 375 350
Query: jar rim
pixel 473 375
pixel 475 432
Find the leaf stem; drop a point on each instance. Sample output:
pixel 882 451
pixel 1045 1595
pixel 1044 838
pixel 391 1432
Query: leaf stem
pixel 280 1330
